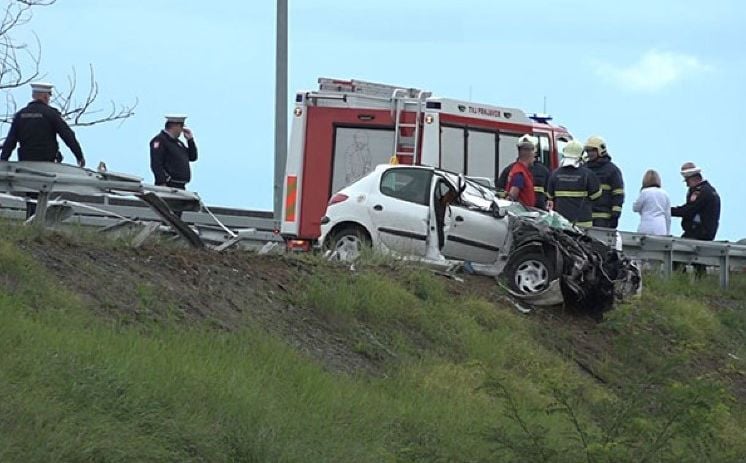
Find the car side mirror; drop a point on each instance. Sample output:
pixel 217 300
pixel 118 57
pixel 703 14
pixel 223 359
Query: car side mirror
pixel 497 211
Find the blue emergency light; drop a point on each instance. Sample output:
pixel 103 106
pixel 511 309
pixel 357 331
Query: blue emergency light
pixel 540 117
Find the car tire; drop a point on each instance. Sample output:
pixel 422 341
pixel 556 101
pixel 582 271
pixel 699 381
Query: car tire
pixel 529 272
pixel 348 243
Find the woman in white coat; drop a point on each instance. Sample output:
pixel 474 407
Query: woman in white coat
pixel 654 206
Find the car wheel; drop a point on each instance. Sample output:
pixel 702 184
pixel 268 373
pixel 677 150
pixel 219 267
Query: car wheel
pixel 348 244
pixel 529 272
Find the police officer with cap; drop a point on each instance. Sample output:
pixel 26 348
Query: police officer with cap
pixel 700 215
pixel 36 127
pixel 170 157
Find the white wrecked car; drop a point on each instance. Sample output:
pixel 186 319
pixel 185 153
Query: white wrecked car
pixel 436 215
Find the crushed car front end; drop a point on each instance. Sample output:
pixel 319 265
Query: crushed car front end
pixel 547 260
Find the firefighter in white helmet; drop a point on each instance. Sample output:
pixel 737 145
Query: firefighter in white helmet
pixel 572 188
pixel 608 208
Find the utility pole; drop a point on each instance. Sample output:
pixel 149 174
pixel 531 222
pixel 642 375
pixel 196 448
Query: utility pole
pixel 281 105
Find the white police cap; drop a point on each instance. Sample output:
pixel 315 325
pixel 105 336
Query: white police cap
pixel 178 118
pixel 41 87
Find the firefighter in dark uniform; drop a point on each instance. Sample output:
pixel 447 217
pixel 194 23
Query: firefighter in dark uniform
pixel 573 188
pixel 541 177
pixel 35 129
pixel 170 157
pixel 608 208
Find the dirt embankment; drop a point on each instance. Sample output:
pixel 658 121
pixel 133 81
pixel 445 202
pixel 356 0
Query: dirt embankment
pixel 231 290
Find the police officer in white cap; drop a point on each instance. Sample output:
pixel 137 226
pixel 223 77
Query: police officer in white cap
pixel 36 127
pixel 170 157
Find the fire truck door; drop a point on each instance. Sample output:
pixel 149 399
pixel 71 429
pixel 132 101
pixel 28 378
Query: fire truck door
pixel 357 151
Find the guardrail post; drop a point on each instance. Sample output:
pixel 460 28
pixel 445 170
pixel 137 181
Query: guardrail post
pixel 668 263
pixel 725 269
pixel 40 215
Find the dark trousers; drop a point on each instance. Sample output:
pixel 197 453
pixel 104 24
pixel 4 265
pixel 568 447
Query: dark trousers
pixel 31 206
pixel 700 270
pixel 606 223
pixel 179 186
pixel 176 184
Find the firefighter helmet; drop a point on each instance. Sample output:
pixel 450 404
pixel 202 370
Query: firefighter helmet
pixel 527 141
pixel 573 149
pixel 572 153
pixel 598 143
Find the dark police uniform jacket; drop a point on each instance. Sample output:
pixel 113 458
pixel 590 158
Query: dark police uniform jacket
pixel 574 190
pixel 170 158
pixel 608 208
pixel 541 176
pixel 36 128
pixel 700 216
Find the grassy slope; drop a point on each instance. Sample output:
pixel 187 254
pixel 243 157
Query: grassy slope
pixel 464 379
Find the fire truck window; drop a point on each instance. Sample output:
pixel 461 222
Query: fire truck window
pixel 481 154
pixel 452 149
pixel 508 152
pixel 411 185
pixel 544 150
pixel 561 143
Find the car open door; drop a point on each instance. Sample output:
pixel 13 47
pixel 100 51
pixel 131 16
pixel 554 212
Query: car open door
pixel 400 212
pixel 467 234
pixel 473 235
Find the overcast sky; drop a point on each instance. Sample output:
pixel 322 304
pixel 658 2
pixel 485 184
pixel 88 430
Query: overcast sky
pixel 664 82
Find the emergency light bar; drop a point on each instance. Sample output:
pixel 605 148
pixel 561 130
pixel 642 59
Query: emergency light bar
pixel 540 117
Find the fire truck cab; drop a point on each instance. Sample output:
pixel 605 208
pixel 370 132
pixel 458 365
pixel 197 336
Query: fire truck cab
pixel 340 132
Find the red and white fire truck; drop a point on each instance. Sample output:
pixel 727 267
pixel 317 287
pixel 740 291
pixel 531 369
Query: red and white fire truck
pixel 342 131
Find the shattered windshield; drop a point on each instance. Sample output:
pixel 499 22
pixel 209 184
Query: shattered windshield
pixel 550 218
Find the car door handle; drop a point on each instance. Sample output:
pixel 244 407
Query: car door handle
pixel 377 207
pixel 459 218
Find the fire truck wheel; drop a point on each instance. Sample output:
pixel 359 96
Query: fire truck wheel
pixel 348 243
pixel 529 272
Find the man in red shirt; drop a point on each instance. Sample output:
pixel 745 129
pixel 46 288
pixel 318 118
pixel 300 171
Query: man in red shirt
pixel 520 185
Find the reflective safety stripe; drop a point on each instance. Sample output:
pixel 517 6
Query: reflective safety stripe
pixel 587 224
pixel 291 188
pixel 539 189
pixel 616 208
pixel 570 194
pixel 597 194
pixel 601 215
pixel 606 187
pixel 618 191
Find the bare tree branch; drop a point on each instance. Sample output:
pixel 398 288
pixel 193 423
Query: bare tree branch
pixel 20 64
pixel 80 113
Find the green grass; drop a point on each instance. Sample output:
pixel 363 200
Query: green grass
pixel 464 380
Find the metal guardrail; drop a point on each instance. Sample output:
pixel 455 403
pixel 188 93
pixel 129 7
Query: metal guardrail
pixel 111 201
pixel 668 250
